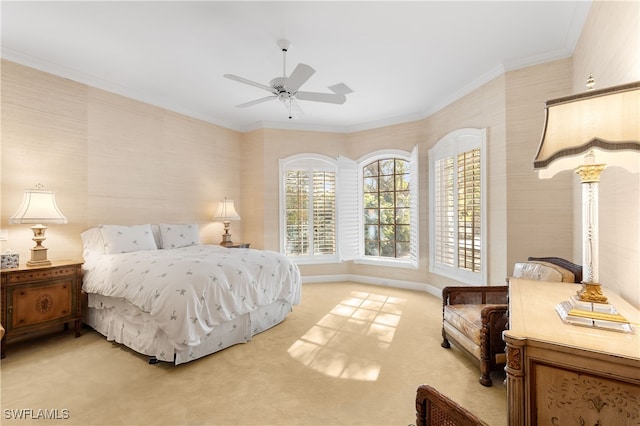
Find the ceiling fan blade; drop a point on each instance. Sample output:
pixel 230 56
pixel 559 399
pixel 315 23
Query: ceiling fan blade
pixel 293 108
pixel 249 82
pixel 332 98
pixel 340 89
pixel 299 76
pixel 256 102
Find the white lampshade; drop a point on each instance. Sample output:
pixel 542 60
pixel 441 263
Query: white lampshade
pixel 605 121
pixel 226 211
pixel 38 206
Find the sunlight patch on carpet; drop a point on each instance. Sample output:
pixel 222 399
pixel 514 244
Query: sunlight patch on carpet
pixel 350 340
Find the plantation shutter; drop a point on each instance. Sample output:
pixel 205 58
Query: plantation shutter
pixel 444 212
pixel 457 224
pixel 469 210
pixel 348 200
pixel 322 212
pixel 413 186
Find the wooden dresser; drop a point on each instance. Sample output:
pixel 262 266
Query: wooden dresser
pixel 561 374
pixel 36 298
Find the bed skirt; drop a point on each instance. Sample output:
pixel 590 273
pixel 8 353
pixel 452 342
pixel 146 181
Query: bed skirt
pixel 123 323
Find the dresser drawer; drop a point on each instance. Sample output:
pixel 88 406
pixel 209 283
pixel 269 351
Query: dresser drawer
pixel 37 304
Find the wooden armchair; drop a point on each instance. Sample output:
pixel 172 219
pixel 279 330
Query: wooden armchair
pixel 435 409
pixel 473 318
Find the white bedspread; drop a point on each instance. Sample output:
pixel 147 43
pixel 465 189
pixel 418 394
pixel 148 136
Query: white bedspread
pixel 190 290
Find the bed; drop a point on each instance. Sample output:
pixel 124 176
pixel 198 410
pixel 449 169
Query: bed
pixel 158 291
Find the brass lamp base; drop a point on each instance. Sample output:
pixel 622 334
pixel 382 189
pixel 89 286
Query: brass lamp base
pixel 226 240
pixel 226 237
pixel 592 292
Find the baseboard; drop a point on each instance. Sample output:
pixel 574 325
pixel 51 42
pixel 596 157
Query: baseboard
pixel 363 279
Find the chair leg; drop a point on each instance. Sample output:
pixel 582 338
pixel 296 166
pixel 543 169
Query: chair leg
pixel 485 379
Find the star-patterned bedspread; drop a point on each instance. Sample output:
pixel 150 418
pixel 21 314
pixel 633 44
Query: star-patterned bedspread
pixel 190 290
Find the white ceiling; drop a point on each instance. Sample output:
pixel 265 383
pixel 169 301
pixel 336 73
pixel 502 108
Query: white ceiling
pixel 403 60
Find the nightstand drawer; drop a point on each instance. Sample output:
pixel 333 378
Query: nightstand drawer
pixel 36 304
pixel 41 274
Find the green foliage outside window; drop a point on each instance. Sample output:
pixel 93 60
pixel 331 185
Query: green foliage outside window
pixel 386 208
pixel 310 212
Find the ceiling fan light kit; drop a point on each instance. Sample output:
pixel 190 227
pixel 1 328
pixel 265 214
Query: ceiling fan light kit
pixel 286 88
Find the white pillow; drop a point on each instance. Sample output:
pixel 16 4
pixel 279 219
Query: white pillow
pixel 126 239
pixel 92 243
pixel 179 235
pixel 156 235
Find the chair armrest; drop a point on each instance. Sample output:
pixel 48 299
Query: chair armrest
pixel 465 295
pixel 495 318
pixel 494 310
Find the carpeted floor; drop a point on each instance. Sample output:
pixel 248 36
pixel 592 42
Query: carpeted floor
pixel 349 354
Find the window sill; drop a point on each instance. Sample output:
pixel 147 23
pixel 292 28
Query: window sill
pixel 381 261
pixel 468 278
pixel 318 260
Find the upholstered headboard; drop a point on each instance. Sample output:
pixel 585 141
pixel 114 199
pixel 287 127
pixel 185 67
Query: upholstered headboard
pixel 548 269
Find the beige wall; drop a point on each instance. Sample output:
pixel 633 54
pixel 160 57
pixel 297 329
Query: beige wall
pixel 482 109
pixel 609 48
pixel 44 134
pixel 261 182
pixel 109 159
pixel 114 160
pixel 539 212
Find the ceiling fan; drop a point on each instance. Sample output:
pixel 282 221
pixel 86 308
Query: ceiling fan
pixel 286 88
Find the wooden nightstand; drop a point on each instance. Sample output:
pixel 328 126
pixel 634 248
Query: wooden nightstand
pixel 36 298
pixel 239 245
pixel 236 245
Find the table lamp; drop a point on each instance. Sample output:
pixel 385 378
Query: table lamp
pixel 38 207
pixel 226 213
pixel 586 132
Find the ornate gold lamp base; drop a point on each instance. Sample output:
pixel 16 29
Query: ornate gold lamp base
pixel 589 308
pixel 226 237
pixel 592 292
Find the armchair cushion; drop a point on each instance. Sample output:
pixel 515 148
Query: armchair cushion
pixel 466 319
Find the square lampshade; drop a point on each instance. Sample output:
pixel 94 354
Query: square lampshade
pixel 605 121
pixel 38 206
pixel 226 211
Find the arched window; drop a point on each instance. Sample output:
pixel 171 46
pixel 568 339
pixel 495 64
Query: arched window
pixel 378 207
pixel 457 206
pixel 386 208
pixel 308 207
